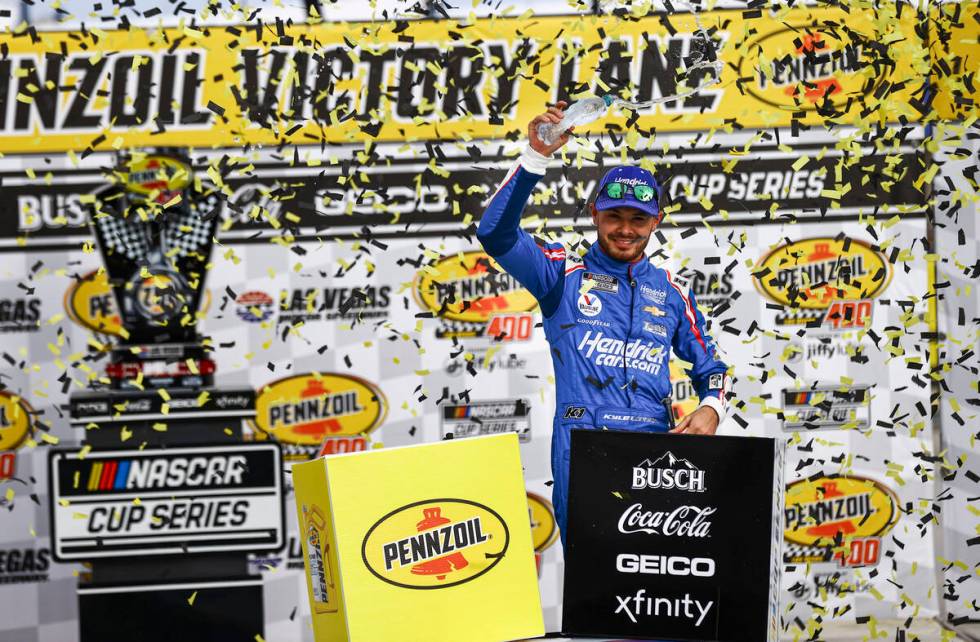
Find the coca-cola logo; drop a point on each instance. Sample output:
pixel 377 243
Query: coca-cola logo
pixel 683 521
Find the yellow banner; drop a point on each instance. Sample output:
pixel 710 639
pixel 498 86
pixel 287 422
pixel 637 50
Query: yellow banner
pixel 417 80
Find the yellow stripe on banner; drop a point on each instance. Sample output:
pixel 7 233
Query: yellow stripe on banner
pixel 94 476
pixel 384 89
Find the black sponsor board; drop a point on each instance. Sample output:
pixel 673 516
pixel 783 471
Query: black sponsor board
pixel 172 501
pixel 320 200
pixel 673 536
pixel 123 406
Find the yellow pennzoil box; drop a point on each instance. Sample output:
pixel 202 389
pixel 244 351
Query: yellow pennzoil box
pixel 429 542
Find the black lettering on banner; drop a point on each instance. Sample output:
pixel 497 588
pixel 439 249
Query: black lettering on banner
pixel 44 99
pixel 77 117
pixel 121 71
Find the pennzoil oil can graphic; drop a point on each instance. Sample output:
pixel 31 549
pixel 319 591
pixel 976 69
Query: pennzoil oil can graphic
pixel 317 551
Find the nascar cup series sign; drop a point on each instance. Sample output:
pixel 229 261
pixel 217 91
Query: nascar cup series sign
pixel 673 536
pixel 173 501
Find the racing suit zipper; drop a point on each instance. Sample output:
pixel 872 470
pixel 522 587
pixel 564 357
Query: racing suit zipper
pixel 629 334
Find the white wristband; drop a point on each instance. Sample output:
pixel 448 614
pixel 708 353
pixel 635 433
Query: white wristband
pixel 534 162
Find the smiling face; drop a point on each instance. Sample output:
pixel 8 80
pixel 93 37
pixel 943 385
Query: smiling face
pixel 623 232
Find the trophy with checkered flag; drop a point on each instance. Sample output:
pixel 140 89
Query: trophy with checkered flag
pixel 155 225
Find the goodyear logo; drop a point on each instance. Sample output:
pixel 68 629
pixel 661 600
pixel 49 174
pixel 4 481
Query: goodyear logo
pixel 807 67
pixel 436 543
pixel 305 409
pixel 811 274
pixel 822 509
pixel 469 288
pixel 15 421
pixel 544 526
pixel 155 178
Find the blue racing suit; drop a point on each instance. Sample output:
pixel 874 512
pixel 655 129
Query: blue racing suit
pixel 611 326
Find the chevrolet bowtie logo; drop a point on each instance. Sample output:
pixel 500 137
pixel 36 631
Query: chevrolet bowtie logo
pixel 654 310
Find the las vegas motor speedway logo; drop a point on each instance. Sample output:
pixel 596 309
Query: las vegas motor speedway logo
pixel 176 501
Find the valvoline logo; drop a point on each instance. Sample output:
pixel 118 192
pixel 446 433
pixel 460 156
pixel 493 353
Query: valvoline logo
pixel 462 288
pixel 308 408
pixel 15 420
pixel 435 543
pixel 806 66
pixel 811 274
pixel 825 508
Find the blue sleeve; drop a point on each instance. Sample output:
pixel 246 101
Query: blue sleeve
pixel 708 372
pixel 539 268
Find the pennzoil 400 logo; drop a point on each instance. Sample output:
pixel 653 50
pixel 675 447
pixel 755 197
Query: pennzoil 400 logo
pixel 474 297
pixel 837 518
pixel 435 543
pixel 317 414
pixel 824 280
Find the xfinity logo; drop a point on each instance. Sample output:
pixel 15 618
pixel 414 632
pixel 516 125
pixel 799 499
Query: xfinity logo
pixel 665 565
pixel 668 473
pixel 639 605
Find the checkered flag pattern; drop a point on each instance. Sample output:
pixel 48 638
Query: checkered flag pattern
pixel 188 232
pixel 129 237
pixel 799 552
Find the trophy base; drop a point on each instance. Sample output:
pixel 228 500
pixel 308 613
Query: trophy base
pixel 124 418
pixel 163 365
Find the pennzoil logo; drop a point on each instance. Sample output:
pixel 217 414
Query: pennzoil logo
pixel 156 178
pixel 544 526
pixel 435 543
pixel 467 290
pixel 820 511
pixel 812 275
pixel 808 67
pixel 311 410
pixel 15 421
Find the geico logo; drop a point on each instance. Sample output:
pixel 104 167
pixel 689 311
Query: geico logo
pixel 637 354
pixel 176 404
pixel 663 565
pixel 320 407
pixel 144 474
pixel 397 199
pixel 434 543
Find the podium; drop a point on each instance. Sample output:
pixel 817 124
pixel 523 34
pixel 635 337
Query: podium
pixel 674 537
pixel 429 542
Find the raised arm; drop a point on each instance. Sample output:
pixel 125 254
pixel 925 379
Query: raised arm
pixel 539 268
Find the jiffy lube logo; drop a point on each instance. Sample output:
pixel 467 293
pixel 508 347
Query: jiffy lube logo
pixel 808 66
pixel 820 510
pixel 467 290
pixel 436 543
pixel 610 352
pixel 308 409
pixel 812 275
pixel 15 421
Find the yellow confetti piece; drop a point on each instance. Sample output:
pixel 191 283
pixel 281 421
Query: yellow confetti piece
pixel 191 599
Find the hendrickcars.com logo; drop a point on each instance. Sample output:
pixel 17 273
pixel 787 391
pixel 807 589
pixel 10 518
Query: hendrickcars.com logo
pixel 838 517
pixel 809 67
pixel 435 543
pixel 812 277
pixel 313 413
pixel 474 297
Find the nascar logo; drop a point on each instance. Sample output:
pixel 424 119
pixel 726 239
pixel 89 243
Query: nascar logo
pixel 178 472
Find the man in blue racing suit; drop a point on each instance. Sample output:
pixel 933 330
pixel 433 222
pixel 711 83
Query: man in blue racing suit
pixel 610 316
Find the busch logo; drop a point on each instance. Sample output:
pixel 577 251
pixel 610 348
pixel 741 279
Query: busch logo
pixel 683 521
pixel 668 472
pixel 614 353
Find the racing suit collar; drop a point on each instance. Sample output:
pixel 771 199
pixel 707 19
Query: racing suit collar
pixel 596 259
